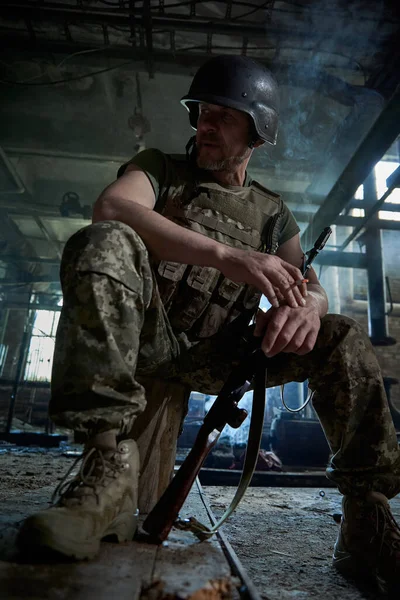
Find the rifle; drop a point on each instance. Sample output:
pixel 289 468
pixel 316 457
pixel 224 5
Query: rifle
pixel 224 411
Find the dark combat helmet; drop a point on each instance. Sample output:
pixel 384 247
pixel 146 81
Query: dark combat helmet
pixel 237 82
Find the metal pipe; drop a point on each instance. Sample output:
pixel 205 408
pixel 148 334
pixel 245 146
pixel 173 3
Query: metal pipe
pixel 379 138
pixel 377 318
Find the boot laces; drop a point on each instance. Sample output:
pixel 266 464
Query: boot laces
pixel 387 530
pixel 95 472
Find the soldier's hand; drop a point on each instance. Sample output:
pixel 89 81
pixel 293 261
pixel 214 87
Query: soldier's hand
pixel 287 329
pixel 270 274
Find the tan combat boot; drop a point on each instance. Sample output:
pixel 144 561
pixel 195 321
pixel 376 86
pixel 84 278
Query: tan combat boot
pixel 100 501
pixel 369 541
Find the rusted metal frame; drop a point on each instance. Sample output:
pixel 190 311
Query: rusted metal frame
pixel 364 221
pixel 183 22
pixel 181 62
pixel 386 224
pixel 375 144
pixel 228 12
pixel 391 206
pixel 378 325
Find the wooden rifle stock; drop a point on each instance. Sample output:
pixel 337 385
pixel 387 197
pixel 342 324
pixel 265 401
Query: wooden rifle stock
pixel 161 519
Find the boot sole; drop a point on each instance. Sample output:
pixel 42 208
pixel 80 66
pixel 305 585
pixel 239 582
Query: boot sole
pixel 33 537
pixel 347 566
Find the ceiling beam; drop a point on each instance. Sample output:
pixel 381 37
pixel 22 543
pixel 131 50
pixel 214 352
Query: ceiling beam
pixel 372 148
pixel 387 224
pixel 47 12
pixel 330 258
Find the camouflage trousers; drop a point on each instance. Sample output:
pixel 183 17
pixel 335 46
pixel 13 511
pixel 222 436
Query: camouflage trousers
pixel 113 329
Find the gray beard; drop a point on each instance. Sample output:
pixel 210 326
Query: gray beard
pixel 227 164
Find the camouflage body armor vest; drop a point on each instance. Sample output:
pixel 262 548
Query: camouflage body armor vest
pixel 200 300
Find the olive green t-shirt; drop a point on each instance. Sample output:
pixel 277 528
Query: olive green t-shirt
pixel 159 171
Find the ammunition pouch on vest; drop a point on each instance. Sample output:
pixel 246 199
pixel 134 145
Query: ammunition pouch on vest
pixel 200 300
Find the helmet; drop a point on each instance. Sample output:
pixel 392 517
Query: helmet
pixel 237 82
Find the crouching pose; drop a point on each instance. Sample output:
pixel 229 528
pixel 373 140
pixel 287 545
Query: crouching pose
pixel 163 284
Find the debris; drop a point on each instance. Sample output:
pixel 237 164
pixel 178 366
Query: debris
pixel 337 517
pixel 322 493
pixel 266 461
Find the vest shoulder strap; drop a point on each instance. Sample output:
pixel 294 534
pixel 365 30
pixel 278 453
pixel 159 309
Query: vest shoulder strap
pixel 266 192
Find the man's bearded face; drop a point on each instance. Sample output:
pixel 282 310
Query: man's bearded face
pixel 222 138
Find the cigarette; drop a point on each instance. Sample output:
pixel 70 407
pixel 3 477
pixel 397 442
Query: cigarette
pixel 300 281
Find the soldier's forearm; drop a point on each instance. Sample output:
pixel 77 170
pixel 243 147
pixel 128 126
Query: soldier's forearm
pixel 317 297
pixel 164 239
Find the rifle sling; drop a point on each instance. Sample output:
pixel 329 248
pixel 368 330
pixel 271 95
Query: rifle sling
pixel 253 446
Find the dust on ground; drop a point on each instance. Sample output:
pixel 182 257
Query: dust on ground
pixel 283 536
pixel 24 469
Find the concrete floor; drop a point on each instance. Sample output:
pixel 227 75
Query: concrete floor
pixel 282 536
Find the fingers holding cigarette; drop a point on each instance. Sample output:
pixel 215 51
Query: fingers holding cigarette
pixel 302 284
pixel 300 281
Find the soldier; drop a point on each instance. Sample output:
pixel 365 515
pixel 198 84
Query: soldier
pixel 164 284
